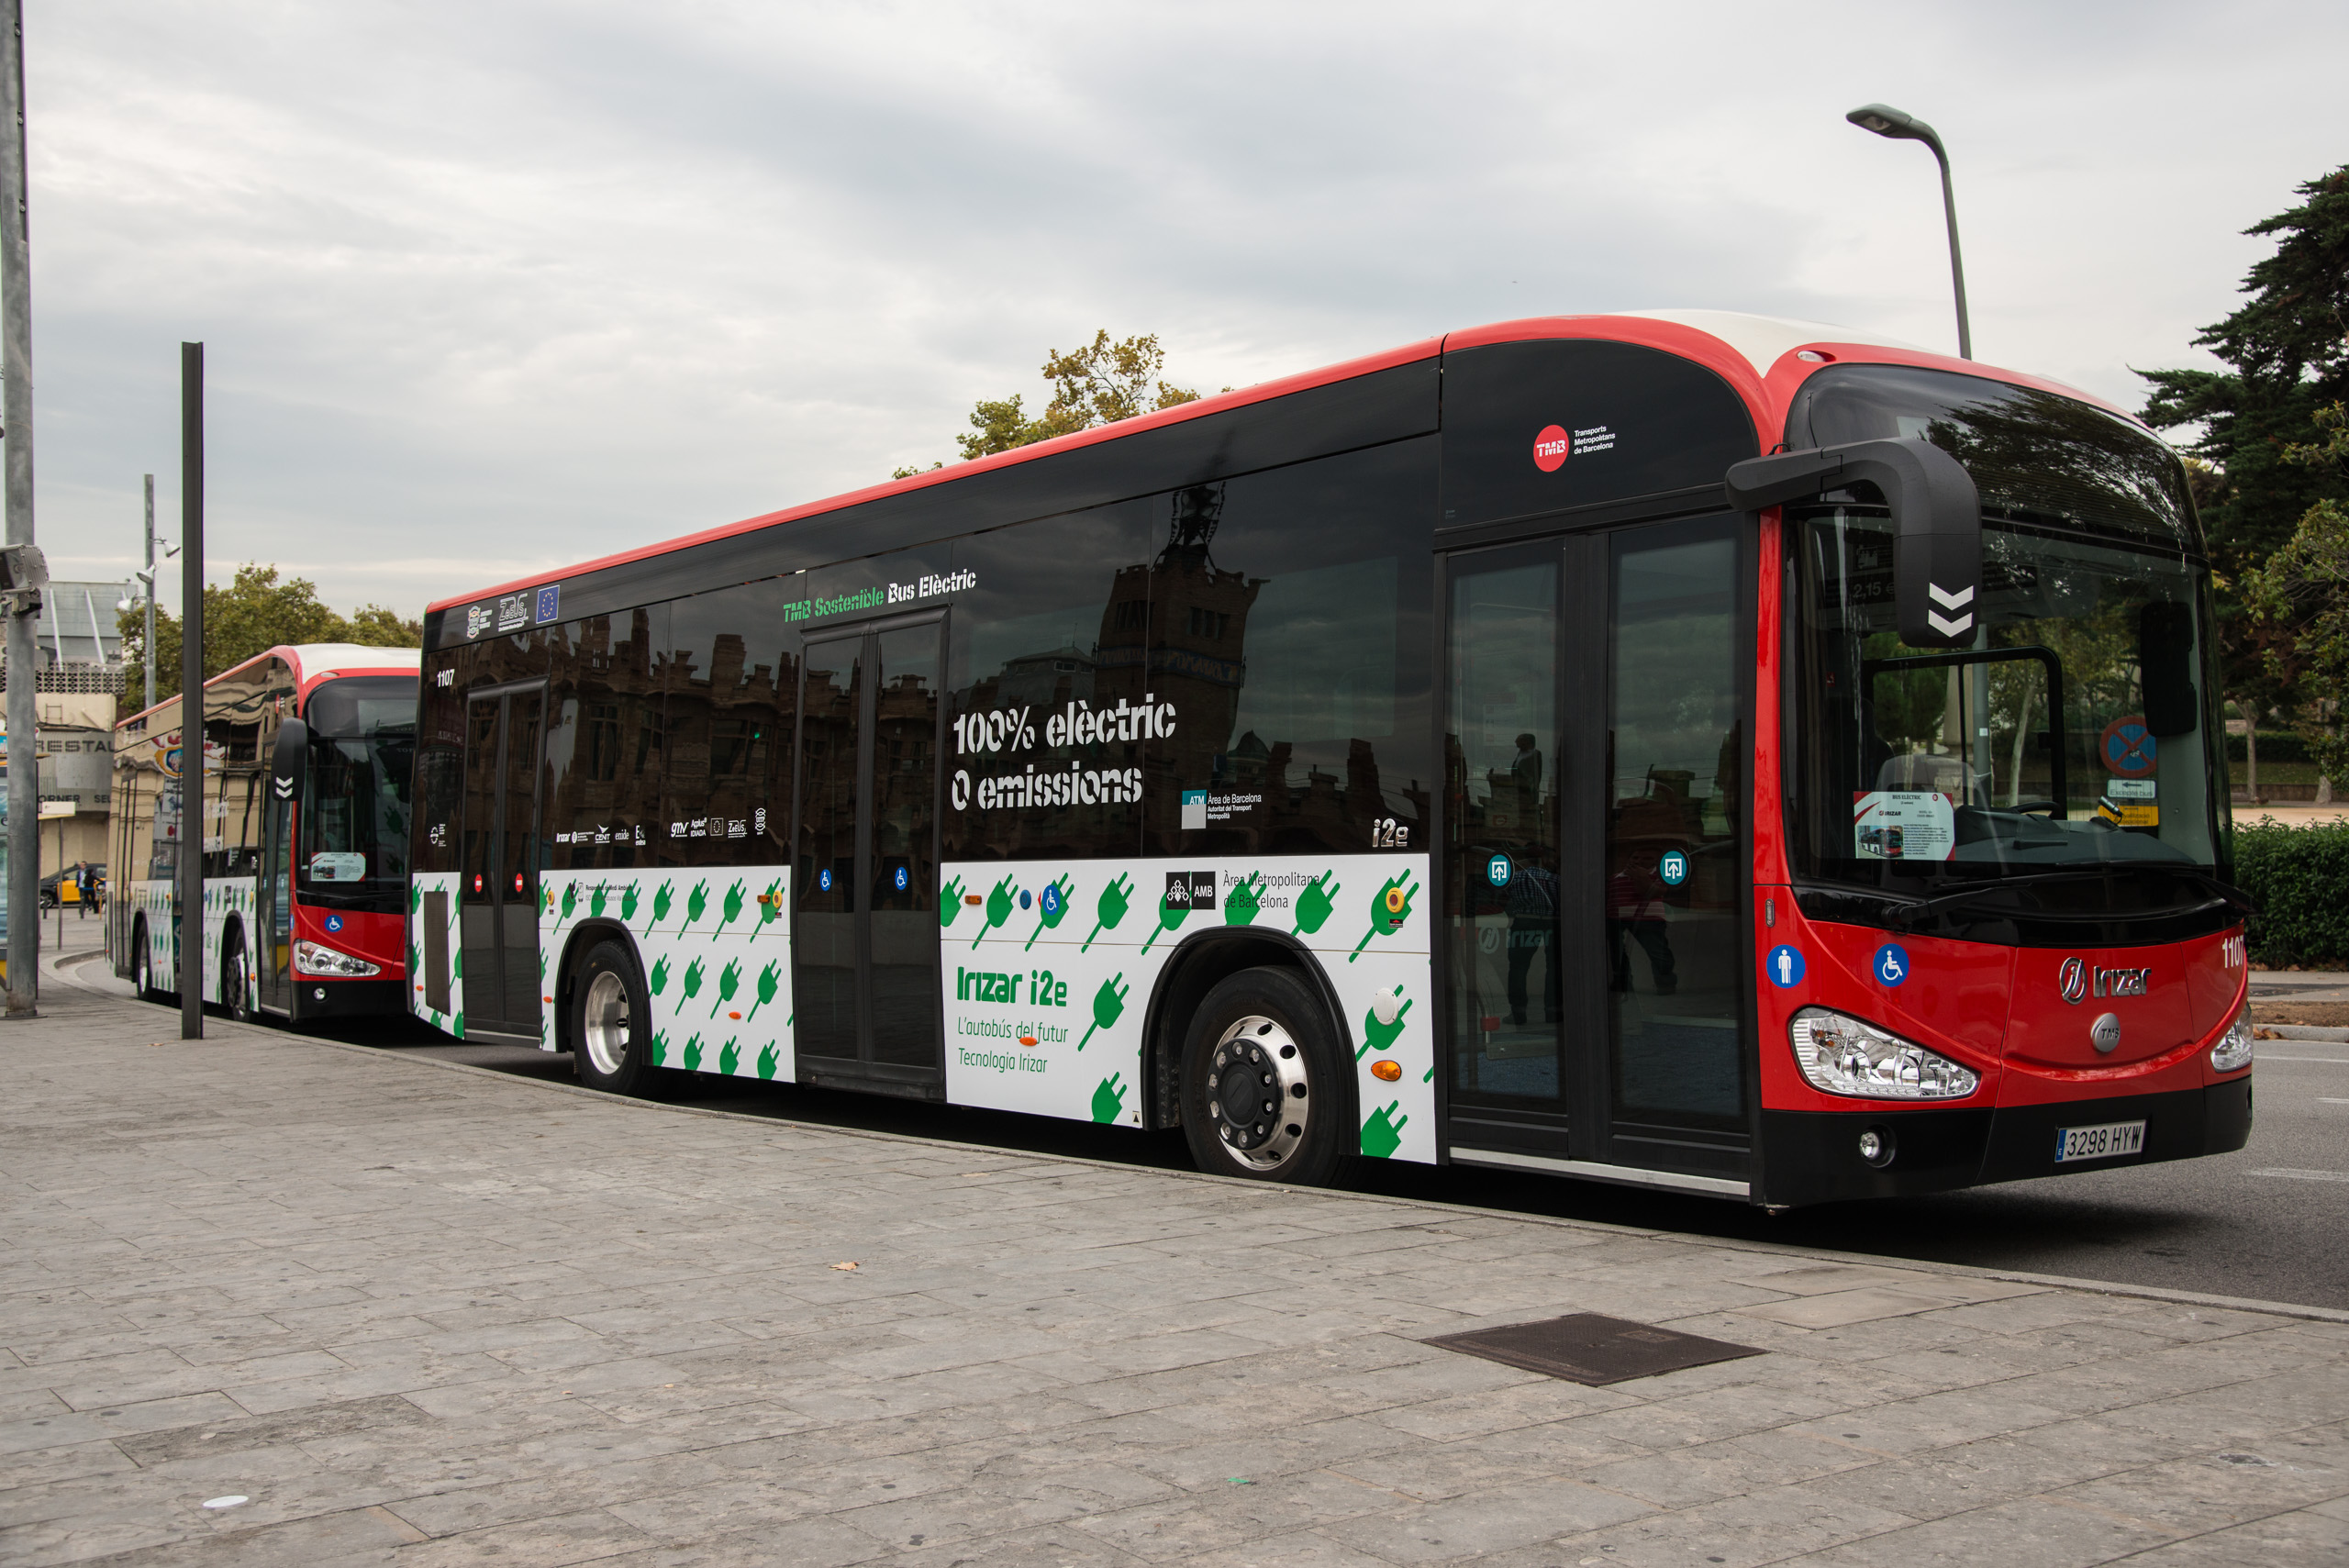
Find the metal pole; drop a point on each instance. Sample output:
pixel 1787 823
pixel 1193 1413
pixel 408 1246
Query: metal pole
pixel 148 692
pixel 17 420
pixel 1956 265
pixel 191 927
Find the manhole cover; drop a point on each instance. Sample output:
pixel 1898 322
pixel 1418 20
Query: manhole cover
pixel 1591 1346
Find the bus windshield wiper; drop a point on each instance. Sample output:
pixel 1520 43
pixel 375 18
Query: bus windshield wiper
pixel 2223 893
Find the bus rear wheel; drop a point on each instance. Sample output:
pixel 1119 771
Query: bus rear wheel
pixel 1262 1093
pixel 611 1021
pixel 142 967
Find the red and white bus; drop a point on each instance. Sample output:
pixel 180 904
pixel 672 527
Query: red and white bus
pixel 1693 749
pixel 308 755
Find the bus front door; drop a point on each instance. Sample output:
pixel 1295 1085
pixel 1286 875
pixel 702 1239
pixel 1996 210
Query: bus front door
pixel 1596 848
pixel 498 891
pixel 867 935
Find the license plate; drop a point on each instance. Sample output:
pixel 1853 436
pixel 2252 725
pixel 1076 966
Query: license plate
pixel 2100 1142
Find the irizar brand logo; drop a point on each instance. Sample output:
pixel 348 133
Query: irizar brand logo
pixel 2075 980
pixel 1954 625
pixel 987 985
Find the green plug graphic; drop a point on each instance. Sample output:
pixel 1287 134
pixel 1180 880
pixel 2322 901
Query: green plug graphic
pixel 660 1049
pixel 698 902
pixel 998 909
pixel 949 903
pixel 769 1060
pixel 692 980
pixel 768 978
pixel 1381 1034
pixel 1242 903
pixel 570 901
pixel 770 908
pixel 1383 1133
pixel 1108 1006
pixel 1170 915
pixel 1109 1099
pixel 1389 907
pixel 628 904
pixel 1111 909
pixel 728 1056
pixel 733 907
pixel 1051 905
pixel 659 908
pixel 596 900
pixel 659 973
pixel 693 1054
pixel 730 980
pixel 1314 904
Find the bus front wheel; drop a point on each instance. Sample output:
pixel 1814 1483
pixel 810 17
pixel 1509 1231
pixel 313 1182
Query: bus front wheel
pixel 1262 1092
pixel 143 968
pixel 611 1021
pixel 235 994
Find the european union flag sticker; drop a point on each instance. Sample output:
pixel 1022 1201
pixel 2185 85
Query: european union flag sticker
pixel 549 599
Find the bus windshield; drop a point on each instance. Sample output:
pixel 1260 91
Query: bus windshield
pixel 355 805
pixel 2077 734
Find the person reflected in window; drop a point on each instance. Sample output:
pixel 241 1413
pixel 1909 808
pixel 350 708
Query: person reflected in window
pixel 1635 911
pixel 1525 776
pixel 1533 928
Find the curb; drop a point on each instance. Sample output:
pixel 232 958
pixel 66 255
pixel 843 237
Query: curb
pixel 1762 1249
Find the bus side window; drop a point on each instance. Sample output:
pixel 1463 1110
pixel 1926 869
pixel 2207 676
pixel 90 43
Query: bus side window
pixel 1046 681
pixel 729 678
pixel 1288 629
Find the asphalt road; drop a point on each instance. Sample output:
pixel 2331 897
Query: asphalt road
pixel 2268 1222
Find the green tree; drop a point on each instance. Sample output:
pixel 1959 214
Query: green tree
pixel 2304 591
pixel 2287 350
pixel 1098 384
pixel 251 615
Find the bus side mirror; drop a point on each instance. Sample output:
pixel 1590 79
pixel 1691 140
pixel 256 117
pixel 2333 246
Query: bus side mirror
pixel 2165 668
pixel 1936 521
pixel 285 761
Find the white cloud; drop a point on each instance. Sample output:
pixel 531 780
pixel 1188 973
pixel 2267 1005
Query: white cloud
pixel 487 289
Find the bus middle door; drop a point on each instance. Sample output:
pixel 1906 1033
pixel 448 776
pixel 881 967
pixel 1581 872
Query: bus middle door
pixel 500 864
pixel 866 938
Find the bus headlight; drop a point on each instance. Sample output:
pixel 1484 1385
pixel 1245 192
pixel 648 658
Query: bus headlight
pixel 2232 1054
pixel 309 958
pixel 1843 1056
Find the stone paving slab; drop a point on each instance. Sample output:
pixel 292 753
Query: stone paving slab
pixel 424 1314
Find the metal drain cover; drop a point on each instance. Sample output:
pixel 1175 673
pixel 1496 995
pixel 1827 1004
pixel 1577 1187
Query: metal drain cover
pixel 1591 1346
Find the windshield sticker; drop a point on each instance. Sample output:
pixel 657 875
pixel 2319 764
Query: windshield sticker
pixel 1903 824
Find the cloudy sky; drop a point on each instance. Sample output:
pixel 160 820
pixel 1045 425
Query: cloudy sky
pixel 490 287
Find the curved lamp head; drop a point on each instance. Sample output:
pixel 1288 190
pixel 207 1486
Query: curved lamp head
pixel 1887 121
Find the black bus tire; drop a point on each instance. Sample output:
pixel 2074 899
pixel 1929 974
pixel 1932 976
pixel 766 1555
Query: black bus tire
pixel 1262 1039
pixel 142 967
pixel 611 1020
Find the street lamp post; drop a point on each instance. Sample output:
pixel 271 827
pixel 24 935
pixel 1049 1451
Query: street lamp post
pixel 1887 121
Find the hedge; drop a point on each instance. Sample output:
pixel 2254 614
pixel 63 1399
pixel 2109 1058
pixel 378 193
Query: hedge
pixel 2274 745
pixel 2299 876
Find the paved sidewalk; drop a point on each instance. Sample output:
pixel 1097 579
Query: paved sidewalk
pixel 421 1315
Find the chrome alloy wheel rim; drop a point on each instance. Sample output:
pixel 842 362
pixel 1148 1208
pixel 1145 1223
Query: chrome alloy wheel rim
pixel 1258 1093
pixel 605 1026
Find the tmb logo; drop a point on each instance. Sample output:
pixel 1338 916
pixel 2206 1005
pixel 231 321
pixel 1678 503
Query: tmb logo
pixel 1190 890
